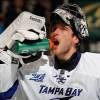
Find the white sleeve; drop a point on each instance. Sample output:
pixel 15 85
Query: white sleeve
pixel 8 72
pixel 98 88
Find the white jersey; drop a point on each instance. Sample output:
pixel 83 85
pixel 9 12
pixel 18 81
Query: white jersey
pixel 39 80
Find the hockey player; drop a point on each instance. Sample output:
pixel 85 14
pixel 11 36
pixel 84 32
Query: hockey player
pixel 66 75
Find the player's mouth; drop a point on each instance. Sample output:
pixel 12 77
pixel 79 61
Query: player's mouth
pixel 56 43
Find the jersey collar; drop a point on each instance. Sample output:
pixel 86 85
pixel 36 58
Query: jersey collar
pixel 70 64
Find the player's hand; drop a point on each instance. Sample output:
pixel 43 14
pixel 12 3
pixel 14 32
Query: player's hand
pixel 22 35
pixel 29 35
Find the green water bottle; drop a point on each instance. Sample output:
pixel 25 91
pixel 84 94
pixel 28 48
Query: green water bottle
pixel 22 48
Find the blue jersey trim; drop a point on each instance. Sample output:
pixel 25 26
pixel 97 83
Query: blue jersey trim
pixel 8 94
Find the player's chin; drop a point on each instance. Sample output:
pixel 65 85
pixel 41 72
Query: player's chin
pixel 56 51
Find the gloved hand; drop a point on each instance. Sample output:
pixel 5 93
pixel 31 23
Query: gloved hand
pixel 26 26
pixel 25 22
pixel 22 35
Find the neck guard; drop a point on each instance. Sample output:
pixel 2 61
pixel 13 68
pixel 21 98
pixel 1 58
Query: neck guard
pixel 70 64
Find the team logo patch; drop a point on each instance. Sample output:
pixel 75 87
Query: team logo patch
pixel 60 79
pixel 37 77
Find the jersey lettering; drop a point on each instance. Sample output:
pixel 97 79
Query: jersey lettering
pixel 60 91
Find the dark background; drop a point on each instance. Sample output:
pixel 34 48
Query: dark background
pixel 10 9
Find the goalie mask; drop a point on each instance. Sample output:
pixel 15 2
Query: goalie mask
pixel 72 15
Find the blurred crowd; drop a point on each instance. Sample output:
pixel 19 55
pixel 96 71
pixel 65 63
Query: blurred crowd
pixel 10 9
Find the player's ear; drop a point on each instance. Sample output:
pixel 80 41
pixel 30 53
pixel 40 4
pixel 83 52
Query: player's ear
pixel 75 39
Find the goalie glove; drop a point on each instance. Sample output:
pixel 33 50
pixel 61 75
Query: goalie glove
pixel 22 24
pixel 26 26
pixel 22 35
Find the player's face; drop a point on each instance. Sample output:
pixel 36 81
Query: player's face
pixel 64 40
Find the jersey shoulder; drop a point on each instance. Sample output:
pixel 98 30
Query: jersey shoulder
pixel 90 63
pixel 95 57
